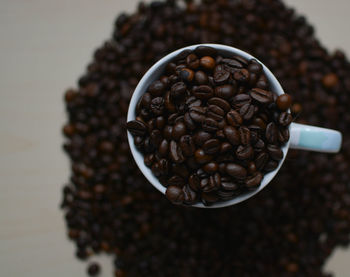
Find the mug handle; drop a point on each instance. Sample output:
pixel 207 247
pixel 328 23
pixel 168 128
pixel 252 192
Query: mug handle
pixel 313 138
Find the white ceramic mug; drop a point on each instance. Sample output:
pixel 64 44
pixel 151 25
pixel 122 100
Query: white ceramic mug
pixel 301 136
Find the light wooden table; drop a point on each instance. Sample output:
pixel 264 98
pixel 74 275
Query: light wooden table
pixel 44 46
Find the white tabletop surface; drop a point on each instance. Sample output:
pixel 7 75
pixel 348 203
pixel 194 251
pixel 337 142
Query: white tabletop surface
pixel 44 47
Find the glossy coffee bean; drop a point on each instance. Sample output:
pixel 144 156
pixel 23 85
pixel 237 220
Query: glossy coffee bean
pixel 212 146
pixel 261 96
pixel 201 78
pixel 232 135
pixel 175 194
pixel 225 91
pixel 234 118
pixel 284 102
pixel 207 62
pixel 235 170
pixel 223 104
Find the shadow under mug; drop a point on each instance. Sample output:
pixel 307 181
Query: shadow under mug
pixel 302 136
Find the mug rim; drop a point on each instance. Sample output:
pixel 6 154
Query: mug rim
pixel 153 73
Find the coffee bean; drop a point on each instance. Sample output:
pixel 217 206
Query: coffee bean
pixel 175 195
pixel 203 92
pixel 229 186
pixel 157 105
pixel 167 132
pixel 223 104
pixel 178 90
pixel 255 67
pixel 254 181
pixel 163 148
pixel 259 145
pixel 212 146
pixel 244 152
pixel 244 134
pixel 210 167
pixel 193 102
pixel 209 125
pixel 190 196
pixel 93 269
pixel 234 118
pixel 275 152
pixel 209 197
pixel 202 51
pixel 176 180
pixel 207 62
pixel 187 145
pixel 285 119
pixel 283 135
pixel 156 137
pixel 241 75
pixel 169 105
pixel 232 63
pixel 330 80
pixel 206 185
pixel 215 112
pixel 197 114
pixel 270 166
pixel 156 88
pixel 261 96
pixel 284 102
pixel 176 153
pixel 186 75
pixel 258 121
pixel 201 137
pixel 221 76
pixel 192 61
pixel 136 127
pixel 247 111
pixel 225 91
pixel 240 100
pixel 261 160
pixel 236 171
pixel 251 167
pixel 201 78
pixel 201 157
pixel 194 182
pixel 225 147
pixel 179 130
pixel 271 133
pixel 232 135
pixel 190 124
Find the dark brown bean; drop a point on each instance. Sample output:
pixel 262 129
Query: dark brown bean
pixel 247 111
pixel 285 119
pixel 271 133
pixel 201 157
pixel 201 137
pixel 240 100
pixel 232 135
pixel 187 145
pixel 202 51
pixel 136 127
pixel 197 114
pixel 215 112
pixel 234 118
pixel 190 196
pixel 203 92
pixel 175 195
pixel 235 170
pixel 261 96
pixel 275 152
pixel 261 160
pixel 209 125
pixel 244 152
pixel 211 167
pixel 254 181
pixel 223 104
pixel 178 90
pixel 244 134
pixel 176 153
pixel 201 78
pixel 179 130
pixel 192 61
pixel 212 146
pixel 225 91
pixel 241 75
pixel 284 101
pixel 207 62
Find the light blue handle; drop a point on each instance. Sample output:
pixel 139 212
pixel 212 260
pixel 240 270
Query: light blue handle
pixel 315 138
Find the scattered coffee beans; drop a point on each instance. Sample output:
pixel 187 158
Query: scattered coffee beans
pixel 289 229
pixel 205 118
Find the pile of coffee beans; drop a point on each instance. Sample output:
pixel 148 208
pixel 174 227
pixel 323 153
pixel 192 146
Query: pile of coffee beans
pixel 288 229
pixel 210 127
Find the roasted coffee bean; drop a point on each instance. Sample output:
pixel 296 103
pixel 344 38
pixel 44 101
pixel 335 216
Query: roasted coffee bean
pixel 232 63
pixel 261 160
pixel 275 152
pixel 175 195
pixel 235 170
pixel 160 122
pixel 255 67
pixel 207 62
pixel 167 132
pixel 240 100
pixel 244 152
pixel 202 51
pixel 149 159
pixel 203 92
pixel 201 78
pixel 211 167
pixel 209 125
pixel 157 105
pixel 186 75
pixel 247 111
pixel 193 102
pixel 197 114
pixel 93 269
pixel 254 181
pixel 225 195
pixel 206 185
pixel 178 90
pixel 229 186
pixel 225 147
pixel 176 180
pixel 241 75
pixel 283 135
pixel 163 148
pixel 187 145
pixel 192 61
pixel 169 104
pixel 201 157
pixel 136 127
pixel 190 124
pixel 176 153
pixel 156 137
pixel 215 112
pixel 261 96
pixel 209 197
pixel 179 130
pixel 284 102
pixel 190 196
pixel 201 137
pixel 221 76
pixel 232 135
pixel 251 167
pixel 156 88
pixel 146 100
pixel 212 146
pixel 223 104
pixel 285 119
pixel 225 91
pixel 271 133
pixel 244 134
pixel 234 118
pixel 194 182
pixel 270 166
pixel 258 121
